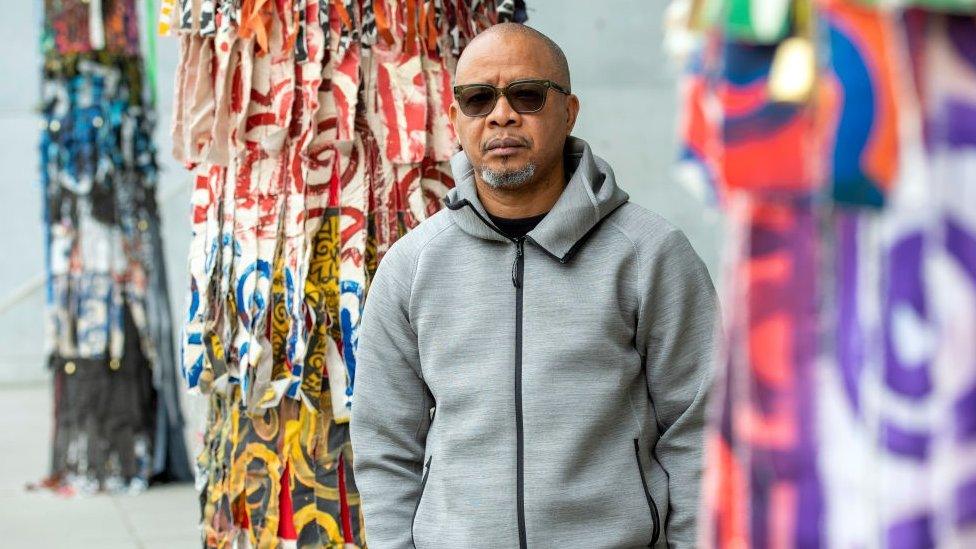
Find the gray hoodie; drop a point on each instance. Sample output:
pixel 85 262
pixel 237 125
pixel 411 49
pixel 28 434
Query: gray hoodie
pixel 538 392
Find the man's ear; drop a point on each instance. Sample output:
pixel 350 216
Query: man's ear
pixel 453 114
pixel 572 111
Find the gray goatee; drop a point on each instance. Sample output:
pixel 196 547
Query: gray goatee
pixel 511 179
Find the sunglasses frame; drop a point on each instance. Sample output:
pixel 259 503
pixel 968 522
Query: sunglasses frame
pixel 548 84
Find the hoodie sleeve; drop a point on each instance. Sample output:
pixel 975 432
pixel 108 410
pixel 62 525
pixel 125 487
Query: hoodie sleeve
pixel 390 414
pixel 675 332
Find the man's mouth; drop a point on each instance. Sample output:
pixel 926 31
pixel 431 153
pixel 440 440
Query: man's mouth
pixel 505 146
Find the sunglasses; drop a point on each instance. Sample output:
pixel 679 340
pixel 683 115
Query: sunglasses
pixel 524 96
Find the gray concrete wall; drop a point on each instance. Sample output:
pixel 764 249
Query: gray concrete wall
pixel 619 72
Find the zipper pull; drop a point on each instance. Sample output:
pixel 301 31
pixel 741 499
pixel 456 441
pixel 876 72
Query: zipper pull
pixel 516 273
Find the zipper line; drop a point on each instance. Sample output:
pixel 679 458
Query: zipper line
pixel 517 280
pixel 652 507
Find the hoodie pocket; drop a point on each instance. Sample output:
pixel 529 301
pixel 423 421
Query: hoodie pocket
pixel 647 495
pixel 423 484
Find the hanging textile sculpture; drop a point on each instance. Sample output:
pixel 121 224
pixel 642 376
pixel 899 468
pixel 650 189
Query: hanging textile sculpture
pixel 844 411
pixel 117 420
pixel 318 134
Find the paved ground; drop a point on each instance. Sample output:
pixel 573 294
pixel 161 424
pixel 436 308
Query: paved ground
pixel 161 518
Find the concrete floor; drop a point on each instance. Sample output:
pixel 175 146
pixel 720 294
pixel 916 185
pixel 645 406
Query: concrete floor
pixel 161 518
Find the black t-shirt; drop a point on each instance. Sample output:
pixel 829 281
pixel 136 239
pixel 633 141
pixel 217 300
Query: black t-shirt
pixel 516 228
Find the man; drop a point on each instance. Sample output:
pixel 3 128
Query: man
pixel 534 360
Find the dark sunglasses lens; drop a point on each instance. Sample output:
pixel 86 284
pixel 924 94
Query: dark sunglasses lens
pixel 527 97
pixel 477 100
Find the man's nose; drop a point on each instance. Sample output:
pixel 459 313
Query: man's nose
pixel 503 114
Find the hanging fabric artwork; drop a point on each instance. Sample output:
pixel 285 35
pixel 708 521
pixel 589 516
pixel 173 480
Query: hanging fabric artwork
pixel 318 134
pixel 946 65
pixel 844 412
pixel 861 79
pixel 117 419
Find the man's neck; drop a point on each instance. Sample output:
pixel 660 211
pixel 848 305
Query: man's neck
pixel 532 199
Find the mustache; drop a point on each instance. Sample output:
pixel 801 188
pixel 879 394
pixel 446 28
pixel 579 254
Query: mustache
pixel 505 141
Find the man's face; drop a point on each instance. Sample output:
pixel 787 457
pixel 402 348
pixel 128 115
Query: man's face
pixel 508 149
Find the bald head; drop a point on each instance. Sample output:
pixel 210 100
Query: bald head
pixel 507 34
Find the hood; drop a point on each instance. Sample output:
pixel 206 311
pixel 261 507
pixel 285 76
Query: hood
pixel 590 196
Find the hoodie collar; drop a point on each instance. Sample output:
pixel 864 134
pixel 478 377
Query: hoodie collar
pixel 590 196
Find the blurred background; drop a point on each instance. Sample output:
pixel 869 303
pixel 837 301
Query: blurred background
pixel 819 154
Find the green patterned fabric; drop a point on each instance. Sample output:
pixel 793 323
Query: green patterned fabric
pixel 752 21
pixel 952 6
